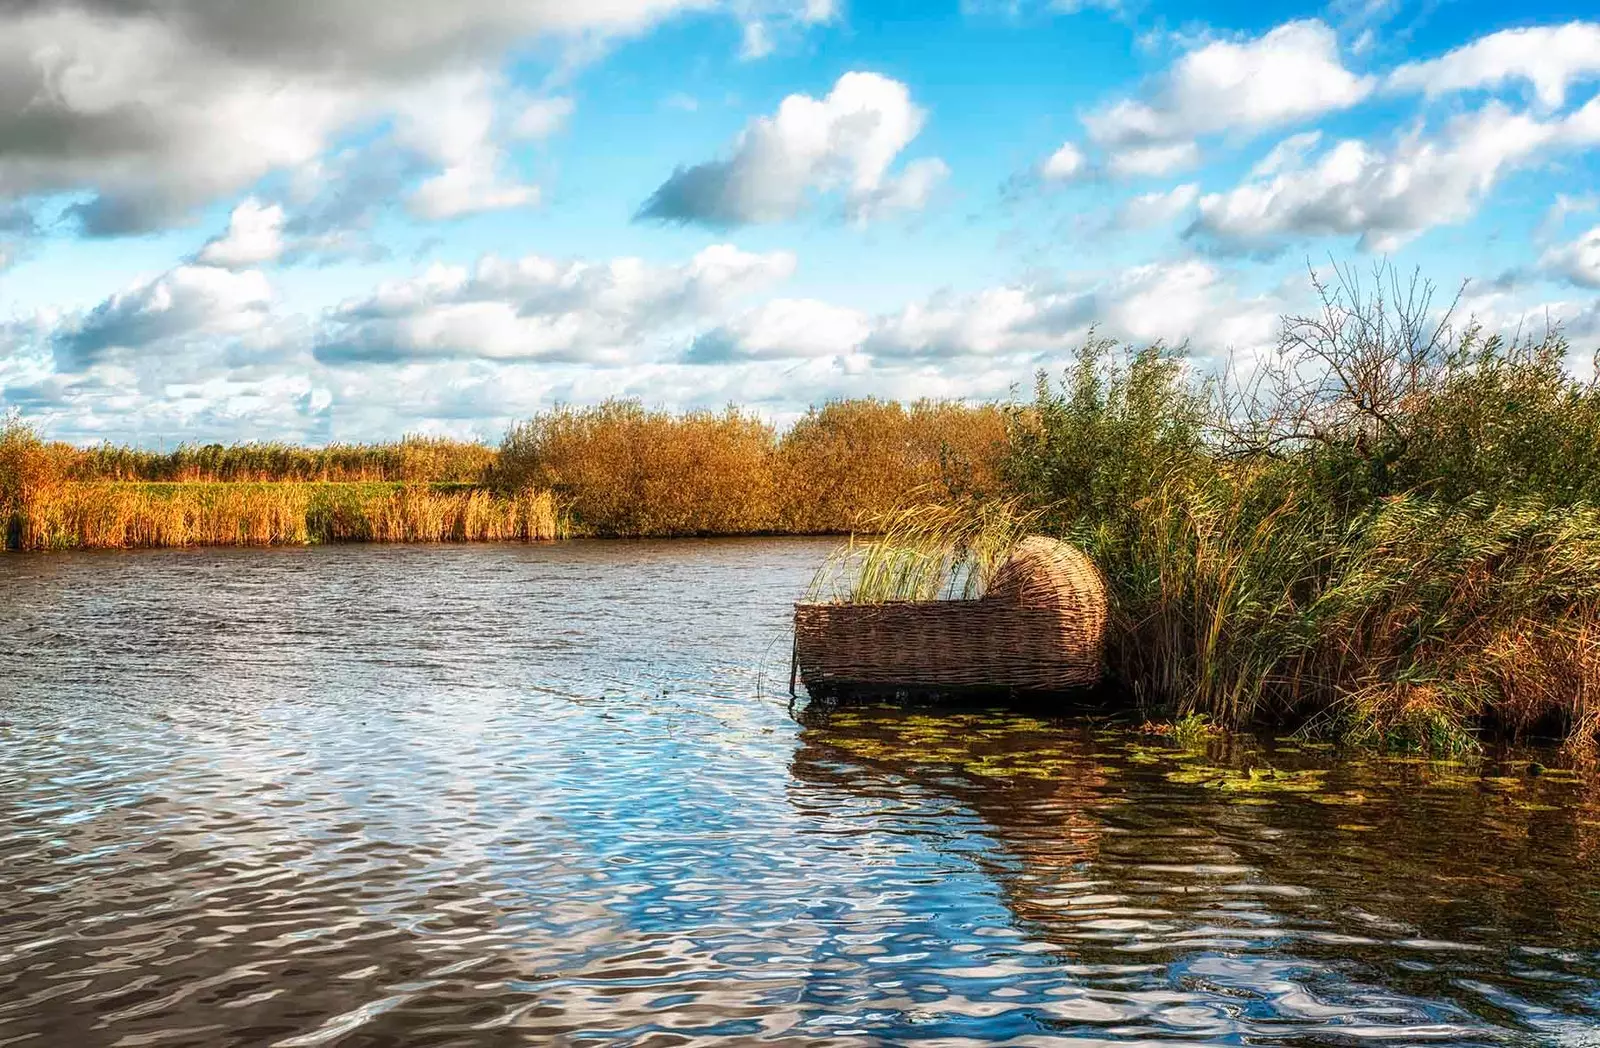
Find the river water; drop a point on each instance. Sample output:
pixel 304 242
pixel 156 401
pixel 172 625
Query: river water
pixel 499 795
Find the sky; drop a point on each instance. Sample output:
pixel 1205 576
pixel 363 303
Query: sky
pixel 348 220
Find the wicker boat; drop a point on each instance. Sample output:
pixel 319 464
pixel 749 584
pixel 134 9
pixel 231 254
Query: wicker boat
pixel 1040 627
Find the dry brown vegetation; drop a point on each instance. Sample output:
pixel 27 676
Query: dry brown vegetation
pixel 117 515
pixel 413 459
pixel 624 470
pixel 615 469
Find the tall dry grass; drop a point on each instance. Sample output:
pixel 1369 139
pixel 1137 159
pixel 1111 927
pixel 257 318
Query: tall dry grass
pixel 122 515
pixel 628 471
pixel 45 505
pixel 413 459
pixel 616 469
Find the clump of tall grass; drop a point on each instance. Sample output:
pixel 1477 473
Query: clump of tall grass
pixel 932 551
pixel 1389 528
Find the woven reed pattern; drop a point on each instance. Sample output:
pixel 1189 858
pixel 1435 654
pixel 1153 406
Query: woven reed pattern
pixel 1040 627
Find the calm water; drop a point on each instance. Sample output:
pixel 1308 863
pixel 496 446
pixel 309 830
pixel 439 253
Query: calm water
pixel 538 795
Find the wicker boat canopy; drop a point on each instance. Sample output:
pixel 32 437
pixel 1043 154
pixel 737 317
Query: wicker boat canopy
pixel 1040 627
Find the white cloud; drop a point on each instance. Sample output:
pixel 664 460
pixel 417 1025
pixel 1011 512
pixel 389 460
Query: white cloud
pixel 910 192
pixel 1386 197
pixel 1176 301
pixel 766 22
pixel 993 322
pixel 155 107
pixel 1289 153
pixel 451 121
pixel 1064 165
pixel 183 307
pixel 1153 161
pixel 254 237
pixel 1291 74
pixel 843 143
pixel 538 308
pixel 782 329
pixel 1578 262
pixel 1550 58
pixel 1155 209
pixel 542 118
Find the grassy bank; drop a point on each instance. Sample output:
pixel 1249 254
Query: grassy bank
pixel 1388 529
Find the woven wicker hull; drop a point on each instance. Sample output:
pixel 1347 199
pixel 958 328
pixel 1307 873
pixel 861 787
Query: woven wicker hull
pixel 1041 627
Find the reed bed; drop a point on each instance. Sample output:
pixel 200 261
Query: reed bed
pixel 120 515
pixel 413 459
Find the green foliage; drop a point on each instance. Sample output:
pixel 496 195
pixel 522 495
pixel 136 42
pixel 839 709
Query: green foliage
pixel 1118 424
pixel 1399 547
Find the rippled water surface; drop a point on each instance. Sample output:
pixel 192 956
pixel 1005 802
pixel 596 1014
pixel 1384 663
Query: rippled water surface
pixel 538 795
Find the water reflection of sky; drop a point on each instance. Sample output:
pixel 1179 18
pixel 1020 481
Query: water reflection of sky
pixel 514 795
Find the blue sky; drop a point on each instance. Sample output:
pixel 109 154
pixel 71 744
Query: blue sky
pixel 321 221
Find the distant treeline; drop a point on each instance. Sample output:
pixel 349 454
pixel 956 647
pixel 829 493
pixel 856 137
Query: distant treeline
pixel 615 469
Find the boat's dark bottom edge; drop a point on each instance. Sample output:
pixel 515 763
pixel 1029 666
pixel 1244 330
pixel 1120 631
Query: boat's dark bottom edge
pixel 1098 698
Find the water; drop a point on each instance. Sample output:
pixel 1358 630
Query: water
pixel 539 795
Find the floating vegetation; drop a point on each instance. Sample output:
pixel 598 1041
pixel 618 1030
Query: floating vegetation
pixel 1250 780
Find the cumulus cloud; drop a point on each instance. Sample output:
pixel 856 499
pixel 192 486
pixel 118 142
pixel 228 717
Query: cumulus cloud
pixel 451 121
pixel 1549 58
pixel 535 308
pixel 1064 165
pixel 254 237
pixel 183 307
pixel 154 107
pixel 1153 161
pixel 1291 74
pixel 1178 301
pixel 1385 197
pixel 1155 209
pixel 782 329
pixel 1578 262
pixel 842 143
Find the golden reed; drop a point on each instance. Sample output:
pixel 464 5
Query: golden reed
pixel 119 515
pixel 615 469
